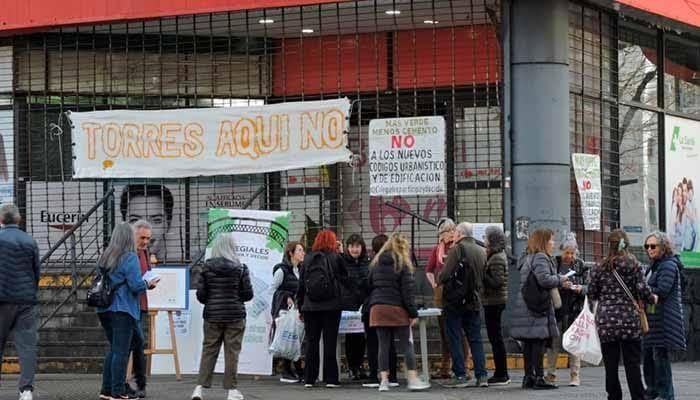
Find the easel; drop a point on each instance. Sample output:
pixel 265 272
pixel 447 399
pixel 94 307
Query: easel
pixel 151 349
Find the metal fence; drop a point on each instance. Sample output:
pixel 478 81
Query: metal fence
pixel 391 58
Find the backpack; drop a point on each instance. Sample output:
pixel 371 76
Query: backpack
pixel 537 299
pixel 460 289
pixel 319 279
pixel 101 292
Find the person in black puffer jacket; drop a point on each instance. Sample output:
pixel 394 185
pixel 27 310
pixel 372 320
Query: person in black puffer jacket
pixel 393 309
pixel 285 282
pixel 357 262
pixel 224 287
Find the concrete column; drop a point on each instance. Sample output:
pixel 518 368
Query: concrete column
pixel 540 117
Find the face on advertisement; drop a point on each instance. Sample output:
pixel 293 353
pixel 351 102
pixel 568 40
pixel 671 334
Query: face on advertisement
pixel 153 203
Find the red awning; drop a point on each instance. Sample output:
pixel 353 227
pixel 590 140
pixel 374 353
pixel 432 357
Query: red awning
pixel 23 15
pixel 685 11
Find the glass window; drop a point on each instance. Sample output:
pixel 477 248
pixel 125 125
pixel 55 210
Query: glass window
pixel 637 65
pixel 639 166
pixel 681 75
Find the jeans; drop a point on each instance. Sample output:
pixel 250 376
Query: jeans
pixel 386 337
pixel 657 372
pixel 631 351
pixel 470 322
pixel 373 352
pixel 215 333
pixel 138 343
pixel 533 355
pixel 317 323
pixel 492 315
pixel 20 319
pixel 355 350
pixel 119 328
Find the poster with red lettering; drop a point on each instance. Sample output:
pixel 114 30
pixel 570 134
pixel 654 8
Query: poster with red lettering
pixel 407 156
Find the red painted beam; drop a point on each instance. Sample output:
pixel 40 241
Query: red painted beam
pixel 685 11
pixel 22 15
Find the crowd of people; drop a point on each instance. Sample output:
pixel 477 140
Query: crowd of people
pixel 637 310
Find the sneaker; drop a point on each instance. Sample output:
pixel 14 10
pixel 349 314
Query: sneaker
pixel 482 382
pixel 457 382
pixel 288 378
pixel 542 384
pixel 104 395
pixel 551 378
pixel 197 393
pixel 393 384
pixel 26 395
pixel 575 380
pixel 528 382
pixel 308 385
pixel 141 393
pixel 124 396
pixel 417 384
pixel 371 383
pixel 234 394
pixel 384 386
pixel 499 381
pixel 332 385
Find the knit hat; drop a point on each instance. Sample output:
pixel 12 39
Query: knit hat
pixel 569 242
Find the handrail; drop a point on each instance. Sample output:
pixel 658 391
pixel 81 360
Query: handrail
pixel 77 225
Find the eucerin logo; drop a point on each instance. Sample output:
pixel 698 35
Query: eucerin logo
pixel 59 220
pixel 684 142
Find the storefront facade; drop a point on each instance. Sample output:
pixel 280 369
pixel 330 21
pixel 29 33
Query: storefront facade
pixel 630 65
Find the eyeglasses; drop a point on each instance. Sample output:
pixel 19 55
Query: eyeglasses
pixel 650 246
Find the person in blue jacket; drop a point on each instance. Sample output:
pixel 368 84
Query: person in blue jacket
pixel 120 319
pixel 666 332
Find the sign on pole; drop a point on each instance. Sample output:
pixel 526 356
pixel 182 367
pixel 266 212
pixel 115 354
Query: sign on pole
pixel 407 156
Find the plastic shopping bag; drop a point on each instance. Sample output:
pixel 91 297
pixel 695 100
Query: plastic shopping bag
pixel 289 334
pixel 581 339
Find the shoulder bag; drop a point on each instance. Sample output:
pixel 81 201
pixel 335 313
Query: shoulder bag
pixel 643 321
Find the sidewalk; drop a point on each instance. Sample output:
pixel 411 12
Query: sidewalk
pixel 79 387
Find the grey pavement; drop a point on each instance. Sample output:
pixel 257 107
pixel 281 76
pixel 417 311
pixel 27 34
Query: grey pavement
pixel 71 386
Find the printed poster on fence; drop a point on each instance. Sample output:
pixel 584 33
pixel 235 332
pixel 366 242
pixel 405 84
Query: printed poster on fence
pixel 407 156
pixel 209 141
pixel 682 175
pixel 587 171
pixel 261 237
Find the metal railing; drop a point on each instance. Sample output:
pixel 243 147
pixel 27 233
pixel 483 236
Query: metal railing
pixel 77 252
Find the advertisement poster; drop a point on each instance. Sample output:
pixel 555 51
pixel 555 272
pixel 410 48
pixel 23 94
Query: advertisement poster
pixel 587 171
pixel 162 204
pixel 55 208
pixel 7 160
pixel 209 141
pixel 261 237
pixel 407 156
pixel 682 174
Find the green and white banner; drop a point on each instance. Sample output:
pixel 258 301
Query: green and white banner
pixel 260 237
pixel 682 174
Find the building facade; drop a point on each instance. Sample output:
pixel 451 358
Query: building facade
pixel 627 67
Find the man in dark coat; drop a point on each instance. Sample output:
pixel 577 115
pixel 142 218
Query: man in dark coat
pixel 463 314
pixel 19 283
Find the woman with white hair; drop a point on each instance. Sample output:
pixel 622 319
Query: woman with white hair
pixel 224 287
pixel 666 332
pixel 572 300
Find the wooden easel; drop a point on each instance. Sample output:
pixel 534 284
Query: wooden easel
pixel 151 350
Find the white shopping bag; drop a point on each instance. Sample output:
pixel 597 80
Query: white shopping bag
pixel 581 339
pixel 289 333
